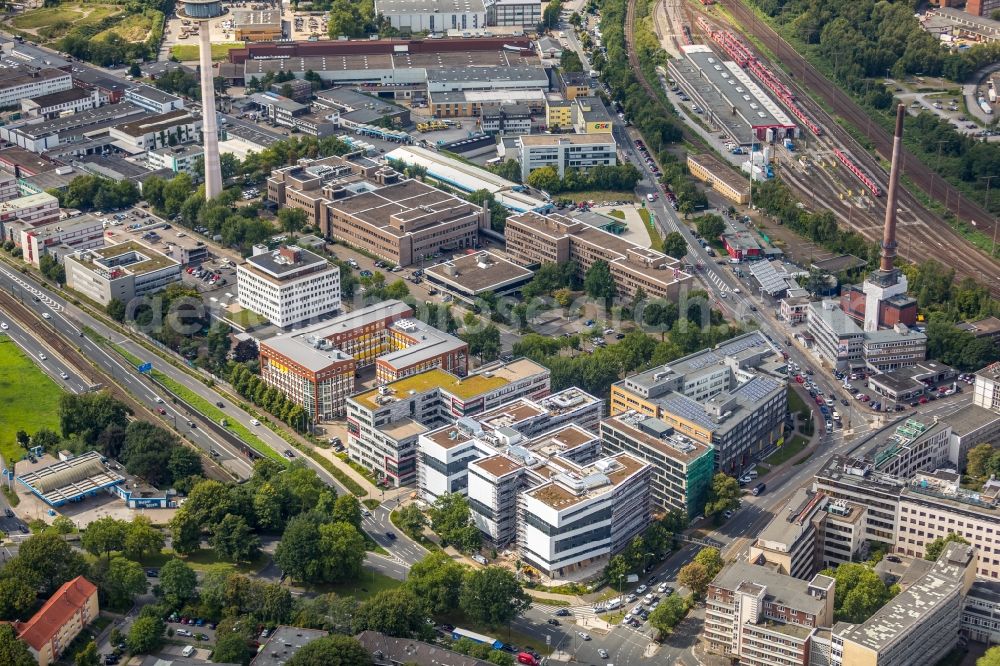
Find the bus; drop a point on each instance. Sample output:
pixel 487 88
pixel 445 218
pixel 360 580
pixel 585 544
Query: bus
pixel 458 633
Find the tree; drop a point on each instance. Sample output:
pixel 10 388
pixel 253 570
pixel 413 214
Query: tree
pixel 493 596
pixel 328 612
pixel 231 648
pixel 936 547
pixel 104 535
pixel 88 656
pixel 121 581
pixel 145 635
pixel 669 614
pixel 723 496
pixel 178 583
pixel 88 414
pixel 860 592
pixel 453 522
pixel 185 532
pixel 598 282
pixel 694 576
pixel 437 579
pixel 347 509
pixel 616 571
pixel 674 245
pixel 332 651
pixel 141 538
pixel 292 220
pixel 16 597
pixel 398 613
pixel 545 178
pixel 992 656
pixel 341 550
pixel 47 561
pixel 233 539
pixel 12 651
pixel 710 227
pixel 711 559
pixel 411 519
pixel 978 461
pixel 298 551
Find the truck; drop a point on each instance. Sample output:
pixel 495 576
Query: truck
pixel 985 106
pixel 789 145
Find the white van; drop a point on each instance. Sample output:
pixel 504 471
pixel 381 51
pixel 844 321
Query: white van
pixel 187 651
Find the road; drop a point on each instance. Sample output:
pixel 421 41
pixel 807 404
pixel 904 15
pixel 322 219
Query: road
pixel 68 320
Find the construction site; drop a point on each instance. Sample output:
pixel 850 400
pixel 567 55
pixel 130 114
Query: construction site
pixel 725 86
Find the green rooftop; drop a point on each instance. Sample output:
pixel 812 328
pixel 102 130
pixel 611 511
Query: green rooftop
pixel 466 388
pixel 154 260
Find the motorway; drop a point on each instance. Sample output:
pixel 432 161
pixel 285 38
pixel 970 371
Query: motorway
pixel 69 320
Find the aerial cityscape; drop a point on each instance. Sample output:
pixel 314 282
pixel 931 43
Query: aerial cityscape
pixel 496 332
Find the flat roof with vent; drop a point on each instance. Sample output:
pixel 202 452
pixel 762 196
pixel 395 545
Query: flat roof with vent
pixel 475 273
pixel 71 480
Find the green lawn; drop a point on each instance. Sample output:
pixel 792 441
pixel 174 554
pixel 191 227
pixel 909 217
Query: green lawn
pixel 619 214
pixel 796 405
pixel 597 196
pixel 29 400
pixel 339 474
pixel 132 29
pixel 75 14
pixel 205 558
pixel 245 318
pixel 655 241
pixel 367 585
pixel 788 450
pixel 186 52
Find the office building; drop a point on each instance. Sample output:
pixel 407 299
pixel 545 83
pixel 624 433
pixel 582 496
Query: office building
pixel 575 84
pixel 320 359
pixel 179 159
pixel 809 533
pixel 566 151
pixel 123 272
pixel 906 384
pixel 590 115
pixel 60 238
pixel 153 99
pixel 472 103
pixel 558 112
pixel 919 626
pixel 981 613
pixel 534 239
pixel 17 83
pixel 720 176
pixel 150 133
pixel 433 16
pixel 257 26
pixel 506 13
pixel 907 446
pixel 280 110
pixel 446 452
pixel 283 643
pixel 383 424
pixel 60 620
pixel 987 387
pixel 31 212
pixel 469 276
pixel 512 119
pixel 356 108
pixel 63 103
pixel 79 134
pixel 405 221
pixel 732 397
pixel 764 618
pixel 682 467
pixel 844 345
pixel 289 285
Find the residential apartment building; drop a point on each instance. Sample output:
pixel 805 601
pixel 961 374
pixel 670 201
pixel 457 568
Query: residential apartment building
pixel 844 345
pixel 566 151
pixel 764 618
pixel 288 286
pixel 506 13
pixel 17 83
pixel 919 626
pixel 535 239
pixel 52 629
pixel 124 271
pixel 682 467
pixel 153 99
pixel 165 129
pixel 732 397
pixel 65 102
pixel 383 424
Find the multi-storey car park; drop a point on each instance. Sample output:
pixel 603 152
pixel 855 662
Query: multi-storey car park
pixel 733 397
pixel 383 424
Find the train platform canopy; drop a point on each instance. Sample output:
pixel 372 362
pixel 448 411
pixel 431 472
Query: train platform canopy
pixel 728 90
pixel 71 480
